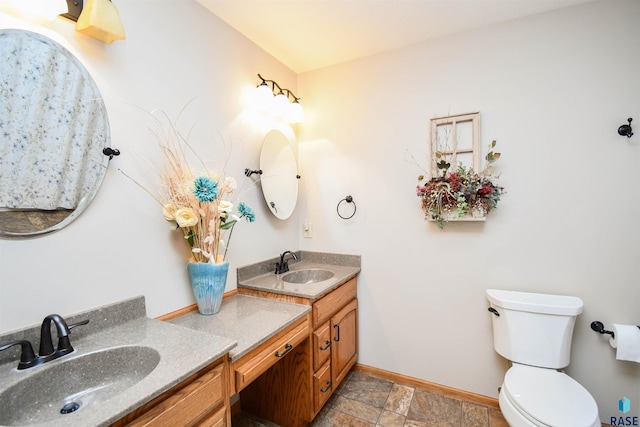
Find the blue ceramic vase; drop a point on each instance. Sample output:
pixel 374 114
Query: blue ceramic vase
pixel 208 282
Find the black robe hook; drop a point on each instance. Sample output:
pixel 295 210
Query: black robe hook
pixel 625 130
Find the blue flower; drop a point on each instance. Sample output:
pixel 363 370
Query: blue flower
pixel 205 189
pixel 245 211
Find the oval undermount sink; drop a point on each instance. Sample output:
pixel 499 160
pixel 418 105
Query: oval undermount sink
pixel 308 276
pixel 75 384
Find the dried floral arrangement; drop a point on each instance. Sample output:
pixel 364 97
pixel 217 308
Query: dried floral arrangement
pixel 455 194
pixel 199 205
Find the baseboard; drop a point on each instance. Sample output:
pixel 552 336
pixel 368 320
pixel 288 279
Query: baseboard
pixel 427 385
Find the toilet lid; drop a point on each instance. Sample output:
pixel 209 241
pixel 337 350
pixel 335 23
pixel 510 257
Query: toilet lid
pixel 550 397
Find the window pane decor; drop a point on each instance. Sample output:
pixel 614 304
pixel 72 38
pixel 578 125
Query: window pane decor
pixel 459 188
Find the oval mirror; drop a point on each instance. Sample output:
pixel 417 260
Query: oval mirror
pixel 279 174
pixel 53 128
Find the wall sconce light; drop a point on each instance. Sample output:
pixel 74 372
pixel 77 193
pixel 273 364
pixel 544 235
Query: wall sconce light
pixel 270 96
pixel 96 18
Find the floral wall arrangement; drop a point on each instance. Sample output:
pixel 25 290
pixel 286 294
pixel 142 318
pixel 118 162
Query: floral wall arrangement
pixel 461 192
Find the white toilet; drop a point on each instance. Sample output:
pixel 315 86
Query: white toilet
pixel 534 332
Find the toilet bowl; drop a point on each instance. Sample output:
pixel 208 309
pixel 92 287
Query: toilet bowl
pixel 534 332
pixel 541 397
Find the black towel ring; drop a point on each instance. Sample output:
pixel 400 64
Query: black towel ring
pixel 347 199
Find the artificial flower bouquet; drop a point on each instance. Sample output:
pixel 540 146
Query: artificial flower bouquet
pixel 198 204
pixel 455 194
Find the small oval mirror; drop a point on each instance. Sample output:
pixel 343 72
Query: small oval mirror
pixel 279 174
pixel 54 128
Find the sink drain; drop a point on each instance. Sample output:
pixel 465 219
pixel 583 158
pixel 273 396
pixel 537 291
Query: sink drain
pixel 70 407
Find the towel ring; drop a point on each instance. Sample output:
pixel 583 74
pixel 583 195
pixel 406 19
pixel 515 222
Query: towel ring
pixel 347 199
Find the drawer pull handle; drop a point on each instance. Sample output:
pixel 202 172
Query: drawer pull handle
pixel 287 349
pixel 327 388
pixel 337 338
pixel 326 345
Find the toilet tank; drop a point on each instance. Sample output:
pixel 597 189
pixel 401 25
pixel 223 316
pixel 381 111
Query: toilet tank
pixel 534 329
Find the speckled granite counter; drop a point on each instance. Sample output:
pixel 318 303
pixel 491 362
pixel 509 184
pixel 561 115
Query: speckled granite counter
pixel 182 352
pixel 261 276
pixel 248 320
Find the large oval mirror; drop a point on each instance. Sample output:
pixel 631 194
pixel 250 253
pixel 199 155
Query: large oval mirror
pixel 53 128
pixel 279 174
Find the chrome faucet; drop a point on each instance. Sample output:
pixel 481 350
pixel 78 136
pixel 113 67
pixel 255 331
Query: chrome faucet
pixel 283 265
pixel 28 358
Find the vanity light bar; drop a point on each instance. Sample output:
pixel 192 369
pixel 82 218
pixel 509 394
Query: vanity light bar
pixel 281 90
pixel 277 102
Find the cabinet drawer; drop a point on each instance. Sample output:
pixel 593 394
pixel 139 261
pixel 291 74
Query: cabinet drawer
pixel 326 306
pixel 188 404
pixel 321 345
pixel 217 419
pixel 267 354
pixel 322 386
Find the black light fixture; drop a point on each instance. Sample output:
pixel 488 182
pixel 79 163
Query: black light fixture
pixel 277 101
pixel 625 130
pixel 74 9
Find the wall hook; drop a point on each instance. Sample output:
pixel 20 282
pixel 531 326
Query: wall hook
pixel 108 151
pixel 625 130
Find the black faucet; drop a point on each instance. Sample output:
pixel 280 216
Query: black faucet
pixel 64 345
pixel 28 359
pixel 283 265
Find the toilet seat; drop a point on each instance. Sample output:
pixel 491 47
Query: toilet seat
pixel 549 398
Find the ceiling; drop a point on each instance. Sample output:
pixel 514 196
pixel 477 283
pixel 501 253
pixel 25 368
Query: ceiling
pixel 311 34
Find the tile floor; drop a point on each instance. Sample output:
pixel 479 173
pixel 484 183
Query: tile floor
pixel 366 400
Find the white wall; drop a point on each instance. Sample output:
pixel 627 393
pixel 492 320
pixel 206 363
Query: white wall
pixel 121 246
pixel 552 89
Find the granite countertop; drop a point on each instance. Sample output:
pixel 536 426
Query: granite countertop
pixel 248 320
pixel 261 276
pixel 182 353
pixel 183 346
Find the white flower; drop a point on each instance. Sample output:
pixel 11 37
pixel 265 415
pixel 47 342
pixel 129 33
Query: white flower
pixel 229 185
pixel 169 211
pixel 186 217
pixel 225 206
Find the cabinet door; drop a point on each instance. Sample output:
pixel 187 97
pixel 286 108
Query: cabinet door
pixel 344 349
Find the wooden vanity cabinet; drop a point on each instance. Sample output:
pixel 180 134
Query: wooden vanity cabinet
pixel 335 315
pixel 200 400
pixel 333 339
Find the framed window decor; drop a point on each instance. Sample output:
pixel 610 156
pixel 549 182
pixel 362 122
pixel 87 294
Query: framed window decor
pixel 459 187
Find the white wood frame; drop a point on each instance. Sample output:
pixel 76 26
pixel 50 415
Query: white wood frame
pixel 453 151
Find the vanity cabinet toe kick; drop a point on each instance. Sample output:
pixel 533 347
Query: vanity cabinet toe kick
pixel 253 364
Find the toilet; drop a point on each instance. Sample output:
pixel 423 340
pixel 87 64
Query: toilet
pixel 534 332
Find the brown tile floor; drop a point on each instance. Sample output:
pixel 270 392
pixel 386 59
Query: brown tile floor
pixel 366 400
